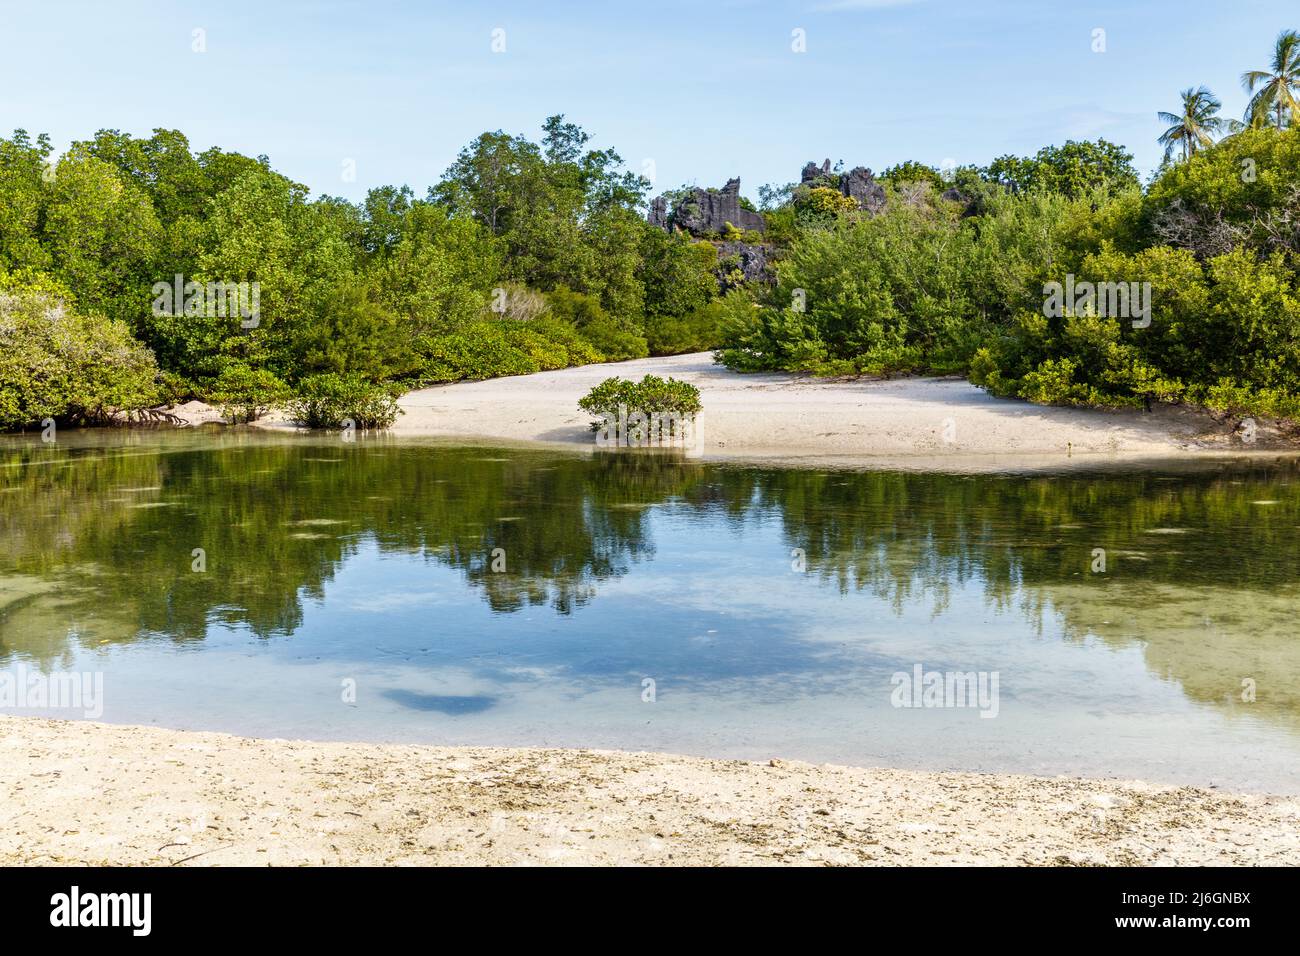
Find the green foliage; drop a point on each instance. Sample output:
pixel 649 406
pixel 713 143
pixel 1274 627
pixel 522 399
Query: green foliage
pixel 490 349
pixel 915 288
pixel 552 343
pixel 566 215
pixel 677 273
pixel 1194 126
pixel 699 331
pixel 913 172
pixel 930 286
pixel 57 362
pixel 102 235
pixel 246 394
pixel 393 289
pixel 615 340
pixel 1224 334
pixel 650 396
pixel 478 351
pixel 355 333
pixel 753 339
pixel 1073 169
pixel 1245 190
pixel 24 197
pixel 680 285
pixel 782 224
pixel 331 401
pixel 821 203
pixel 397 291
pixel 1275 92
pixel 435 270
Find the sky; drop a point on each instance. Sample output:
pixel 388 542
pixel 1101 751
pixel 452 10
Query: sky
pixel 344 96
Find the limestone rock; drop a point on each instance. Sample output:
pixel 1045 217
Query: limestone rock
pixel 659 213
pixel 812 172
pixel 860 186
pixel 706 212
pixel 753 261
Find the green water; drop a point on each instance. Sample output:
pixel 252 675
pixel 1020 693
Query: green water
pixel 771 608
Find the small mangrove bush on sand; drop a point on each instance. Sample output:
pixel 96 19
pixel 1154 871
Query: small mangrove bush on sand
pixel 246 394
pixel 615 398
pixel 331 401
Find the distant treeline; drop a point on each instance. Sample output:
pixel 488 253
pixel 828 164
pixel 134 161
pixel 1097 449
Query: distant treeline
pixel 136 272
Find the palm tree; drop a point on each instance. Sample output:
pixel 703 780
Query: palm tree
pixel 1195 126
pixel 1274 91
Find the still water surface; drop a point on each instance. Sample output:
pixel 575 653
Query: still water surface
pixel 771 608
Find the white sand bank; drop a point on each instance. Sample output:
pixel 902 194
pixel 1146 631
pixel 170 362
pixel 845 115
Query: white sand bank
pixel 911 422
pixel 84 793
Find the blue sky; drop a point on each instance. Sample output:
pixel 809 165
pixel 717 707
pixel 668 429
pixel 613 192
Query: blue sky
pixel 705 89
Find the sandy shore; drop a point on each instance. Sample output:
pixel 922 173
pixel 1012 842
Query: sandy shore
pixel 911 422
pixel 84 793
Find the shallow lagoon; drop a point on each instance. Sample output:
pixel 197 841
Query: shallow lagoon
pixel 349 592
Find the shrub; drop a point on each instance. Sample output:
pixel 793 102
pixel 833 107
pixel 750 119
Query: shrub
pixel 697 332
pixel 1074 169
pixel 751 342
pixel 477 351
pixel 893 289
pixel 492 349
pixel 822 203
pixel 650 396
pixel 918 288
pixel 172 389
pixel 331 400
pixel 613 339
pixel 914 172
pixel 1224 334
pixel 246 394
pixel 615 343
pixel 562 343
pixel 677 273
pixel 58 363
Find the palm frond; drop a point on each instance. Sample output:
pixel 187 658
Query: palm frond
pixel 1252 78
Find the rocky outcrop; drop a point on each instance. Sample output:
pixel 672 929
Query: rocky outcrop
pixel 751 260
pixel 659 213
pixel 706 212
pixel 860 186
pixel 812 172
